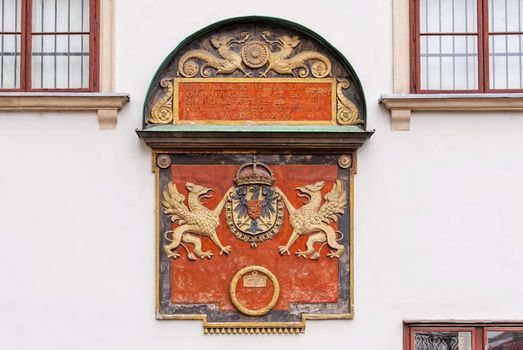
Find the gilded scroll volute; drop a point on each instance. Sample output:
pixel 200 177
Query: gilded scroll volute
pixel 162 111
pixel 347 112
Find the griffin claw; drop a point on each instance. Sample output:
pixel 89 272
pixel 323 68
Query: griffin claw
pixel 315 256
pixel 171 254
pixel 225 250
pixel 284 250
pixel 207 255
pixel 301 254
pixel 192 257
pixel 333 254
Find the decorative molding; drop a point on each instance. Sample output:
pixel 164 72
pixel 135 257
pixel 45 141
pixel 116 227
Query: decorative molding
pixel 106 104
pixel 401 46
pixel 401 105
pixel 107 47
pixel 254 330
pixel 328 139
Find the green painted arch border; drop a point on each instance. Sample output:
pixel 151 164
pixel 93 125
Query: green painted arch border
pixel 250 19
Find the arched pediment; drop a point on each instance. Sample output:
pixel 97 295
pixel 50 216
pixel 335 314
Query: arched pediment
pixel 291 75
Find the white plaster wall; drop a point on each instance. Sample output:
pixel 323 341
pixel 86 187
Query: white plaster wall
pixel 439 223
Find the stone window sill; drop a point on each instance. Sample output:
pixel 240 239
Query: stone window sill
pixel 106 104
pixel 401 105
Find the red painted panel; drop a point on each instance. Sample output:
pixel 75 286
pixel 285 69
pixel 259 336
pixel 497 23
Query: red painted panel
pixel 207 281
pixel 255 101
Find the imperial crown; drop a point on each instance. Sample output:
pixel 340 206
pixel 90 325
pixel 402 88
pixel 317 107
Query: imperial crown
pixel 254 281
pixel 254 174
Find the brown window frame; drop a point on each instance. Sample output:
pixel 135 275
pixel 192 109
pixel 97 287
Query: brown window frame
pixel 479 330
pixel 482 33
pixel 26 35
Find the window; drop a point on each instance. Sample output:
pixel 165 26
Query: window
pixel 463 336
pixel 49 45
pixel 467 46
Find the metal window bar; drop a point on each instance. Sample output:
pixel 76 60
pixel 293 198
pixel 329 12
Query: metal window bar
pixel 2 48
pixel 55 29
pixel 519 46
pixel 62 72
pixel 69 43
pixel 453 50
pixel 506 45
pixel 509 68
pixel 427 41
pixel 440 49
pixel 15 53
pixel 493 48
pixel 42 49
pixel 466 45
pixel 82 45
pixel 455 63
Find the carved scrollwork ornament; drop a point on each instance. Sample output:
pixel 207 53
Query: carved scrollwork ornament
pixel 162 111
pixel 254 54
pixel 347 113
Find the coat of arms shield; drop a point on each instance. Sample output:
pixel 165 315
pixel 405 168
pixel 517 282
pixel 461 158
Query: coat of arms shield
pixel 254 211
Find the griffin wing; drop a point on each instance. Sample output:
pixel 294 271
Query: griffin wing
pixel 173 205
pixel 335 203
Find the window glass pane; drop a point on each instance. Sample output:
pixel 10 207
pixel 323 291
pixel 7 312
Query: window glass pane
pixel 505 340
pixel 442 340
pixel 448 16
pixel 60 61
pixel 10 11
pixel 9 61
pixel 60 15
pixel 449 63
pixel 505 61
pixel 505 15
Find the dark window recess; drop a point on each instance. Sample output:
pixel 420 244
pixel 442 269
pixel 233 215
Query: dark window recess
pixel 466 46
pixel 49 45
pixel 450 335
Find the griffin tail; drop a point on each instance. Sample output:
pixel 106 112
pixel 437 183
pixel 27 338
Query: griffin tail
pixel 188 67
pixel 319 69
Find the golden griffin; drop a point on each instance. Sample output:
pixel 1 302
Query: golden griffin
pixel 315 218
pixel 230 61
pixel 281 62
pixel 196 219
pixel 254 54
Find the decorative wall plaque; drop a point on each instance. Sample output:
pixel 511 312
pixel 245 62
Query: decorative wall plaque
pixel 254 125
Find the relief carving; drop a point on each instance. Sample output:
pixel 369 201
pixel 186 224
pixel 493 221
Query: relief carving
pixel 347 113
pixel 281 63
pixel 254 54
pixel 196 219
pixel 162 111
pixel 228 63
pixel 315 218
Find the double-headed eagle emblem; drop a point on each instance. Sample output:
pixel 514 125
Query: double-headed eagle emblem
pixel 254 213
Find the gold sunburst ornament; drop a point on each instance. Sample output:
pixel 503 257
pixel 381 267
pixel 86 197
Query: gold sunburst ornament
pixel 255 54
